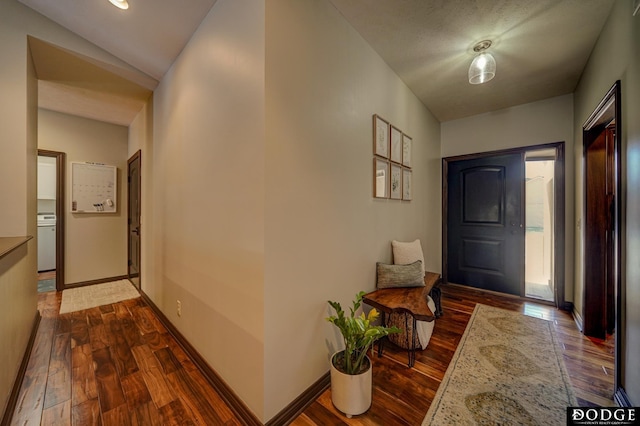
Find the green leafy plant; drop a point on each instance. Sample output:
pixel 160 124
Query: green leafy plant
pixel 358 333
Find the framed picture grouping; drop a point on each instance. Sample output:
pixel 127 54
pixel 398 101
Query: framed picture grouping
pixel 392 161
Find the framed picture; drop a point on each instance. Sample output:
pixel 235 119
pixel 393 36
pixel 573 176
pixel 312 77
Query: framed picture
pixel 407 190
pixel 396 145
pixel 396 182
pixel 380 178
pixel 407 146
pixel 380 136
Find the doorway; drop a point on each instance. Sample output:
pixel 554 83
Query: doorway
pixel 485 212
pixel 51 196
pixel 134 183
pixel 539 224
pixel 602 221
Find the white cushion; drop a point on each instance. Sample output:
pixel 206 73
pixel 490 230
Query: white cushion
pixel 406 253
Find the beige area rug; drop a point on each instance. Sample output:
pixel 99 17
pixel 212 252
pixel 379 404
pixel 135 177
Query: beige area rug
pixel 508 369
pixel 77 299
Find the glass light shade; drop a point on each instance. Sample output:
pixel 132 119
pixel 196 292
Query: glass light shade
pixel 482 69
pixel 122 4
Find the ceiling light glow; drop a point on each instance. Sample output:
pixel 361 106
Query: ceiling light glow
pixel 121 4
pixel 483 67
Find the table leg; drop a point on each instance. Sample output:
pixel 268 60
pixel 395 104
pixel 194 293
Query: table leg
pixel 381 341
pixel 412 346
pixel 410 339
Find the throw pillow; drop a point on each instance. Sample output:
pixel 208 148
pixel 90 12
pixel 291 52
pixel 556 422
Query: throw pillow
pixel 389 276
pixel 405 253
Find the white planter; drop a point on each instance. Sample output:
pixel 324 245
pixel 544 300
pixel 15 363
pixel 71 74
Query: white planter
pixel 351 394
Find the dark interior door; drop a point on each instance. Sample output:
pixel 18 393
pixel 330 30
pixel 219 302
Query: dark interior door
pixel 611 227
pixel 134 191
pixel 485 233
pixel 599 228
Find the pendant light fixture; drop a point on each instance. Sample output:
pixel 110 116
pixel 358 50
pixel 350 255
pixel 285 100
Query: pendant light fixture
pixel 483 67
pixel 121 4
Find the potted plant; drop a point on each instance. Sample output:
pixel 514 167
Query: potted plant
pixel 351 382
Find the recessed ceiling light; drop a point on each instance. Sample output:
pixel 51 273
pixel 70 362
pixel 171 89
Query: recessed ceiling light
pixel 122 4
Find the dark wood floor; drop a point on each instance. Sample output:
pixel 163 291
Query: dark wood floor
pixel 113 365
pixel 402 396
pixel 117 365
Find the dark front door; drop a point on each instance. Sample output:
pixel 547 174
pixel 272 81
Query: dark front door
pixel 134 181
pixel 485 234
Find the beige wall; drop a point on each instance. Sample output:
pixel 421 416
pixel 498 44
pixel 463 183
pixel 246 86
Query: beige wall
pixel 324 231
pixel 18 276
pixel 14 171
pixel 17 308
pixel 95 244
pixel 208 194
pixel 616 56
pixel 536 123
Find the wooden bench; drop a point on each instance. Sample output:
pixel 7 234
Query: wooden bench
pixel 405 300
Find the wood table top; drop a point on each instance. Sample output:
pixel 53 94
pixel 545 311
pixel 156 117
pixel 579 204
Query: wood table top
pixel 414 299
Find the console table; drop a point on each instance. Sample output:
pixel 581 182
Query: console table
pixel 409 300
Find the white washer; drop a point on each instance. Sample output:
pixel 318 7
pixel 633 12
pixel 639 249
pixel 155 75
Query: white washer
pixel 46 242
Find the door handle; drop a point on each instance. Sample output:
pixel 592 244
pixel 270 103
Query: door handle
pixel 136 230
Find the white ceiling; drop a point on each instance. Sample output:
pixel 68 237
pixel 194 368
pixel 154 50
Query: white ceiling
pixel 540 46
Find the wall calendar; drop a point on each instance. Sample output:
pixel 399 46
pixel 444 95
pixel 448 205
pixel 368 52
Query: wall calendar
pixel 93 188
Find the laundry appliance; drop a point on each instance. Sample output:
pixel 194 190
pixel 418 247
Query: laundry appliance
pixel 46 242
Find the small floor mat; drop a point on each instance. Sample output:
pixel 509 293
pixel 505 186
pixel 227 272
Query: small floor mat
pixel 77 299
